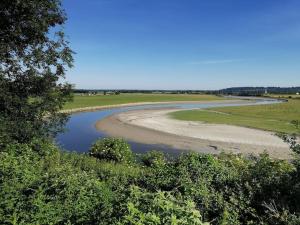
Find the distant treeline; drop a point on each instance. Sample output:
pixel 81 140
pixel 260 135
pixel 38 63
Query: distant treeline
pixel 258 91
pixel 241 91
pixel 109 91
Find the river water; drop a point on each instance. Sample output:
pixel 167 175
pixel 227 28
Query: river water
pixel 81 132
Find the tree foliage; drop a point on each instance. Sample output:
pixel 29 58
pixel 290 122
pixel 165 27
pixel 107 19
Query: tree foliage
pixel 34 56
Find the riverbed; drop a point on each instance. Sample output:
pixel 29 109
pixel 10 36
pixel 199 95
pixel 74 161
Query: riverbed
pixel 81 131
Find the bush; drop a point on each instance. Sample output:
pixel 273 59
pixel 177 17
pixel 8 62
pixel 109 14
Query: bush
pixel 112 149
pixel 49 190
pixel 154 158
pixel 159 208
pixel 228 188
pixel 41 185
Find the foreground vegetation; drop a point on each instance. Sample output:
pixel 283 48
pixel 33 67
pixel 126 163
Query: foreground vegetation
pixel 39 184
pixel 275 117
pixel 103 100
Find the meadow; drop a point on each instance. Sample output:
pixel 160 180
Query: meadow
pixel 285 96
pixel 81 101
pixel 275 117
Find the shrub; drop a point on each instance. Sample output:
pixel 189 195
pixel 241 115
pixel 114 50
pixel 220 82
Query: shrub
pixel 48 190
pixel 159 208
pixel 154 158
pixel 41 185
pixel 112 149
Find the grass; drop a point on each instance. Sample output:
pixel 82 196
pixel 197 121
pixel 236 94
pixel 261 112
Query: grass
pixel 275 117
pixel 103 100
pixel 286 96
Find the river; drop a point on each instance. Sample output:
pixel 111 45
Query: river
pixel 81 133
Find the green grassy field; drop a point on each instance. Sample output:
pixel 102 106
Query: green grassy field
pixel 286 96
pixel 103 100
pixel 275 117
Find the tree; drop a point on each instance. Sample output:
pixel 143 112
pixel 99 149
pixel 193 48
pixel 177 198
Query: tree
pixel 34 56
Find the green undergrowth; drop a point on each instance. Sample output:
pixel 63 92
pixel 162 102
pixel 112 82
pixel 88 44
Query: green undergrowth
pixel 39 184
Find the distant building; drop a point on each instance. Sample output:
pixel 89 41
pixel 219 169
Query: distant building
pixel 266 91
pixel 297 93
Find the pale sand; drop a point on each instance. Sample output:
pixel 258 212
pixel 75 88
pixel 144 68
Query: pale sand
pixel 156 127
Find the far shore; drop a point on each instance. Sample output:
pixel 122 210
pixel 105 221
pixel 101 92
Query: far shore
pixel 156 127
pixel 94 108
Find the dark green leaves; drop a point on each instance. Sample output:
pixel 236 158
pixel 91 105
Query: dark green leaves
pixel 34 56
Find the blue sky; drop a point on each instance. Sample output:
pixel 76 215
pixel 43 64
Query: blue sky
pixel 183 44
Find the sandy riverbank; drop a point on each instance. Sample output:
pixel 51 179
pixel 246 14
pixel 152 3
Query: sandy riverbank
pixel 156 127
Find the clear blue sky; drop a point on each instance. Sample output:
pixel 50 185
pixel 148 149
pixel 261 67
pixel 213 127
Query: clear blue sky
pixel 184 44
